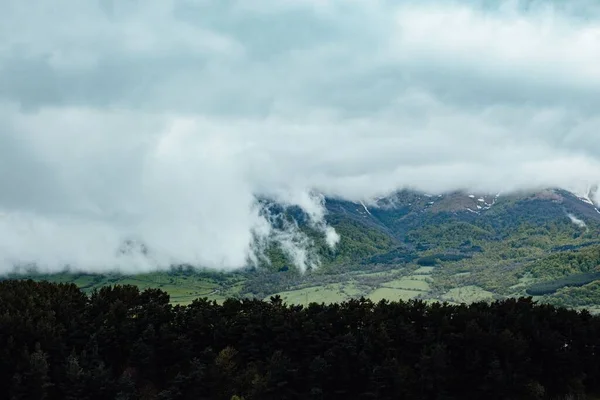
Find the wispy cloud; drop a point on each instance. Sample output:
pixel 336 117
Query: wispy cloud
pixel 163 121
pixel 579 222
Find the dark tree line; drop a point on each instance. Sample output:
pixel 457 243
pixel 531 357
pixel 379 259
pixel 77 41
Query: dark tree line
pixel 574 280
pixel 120 343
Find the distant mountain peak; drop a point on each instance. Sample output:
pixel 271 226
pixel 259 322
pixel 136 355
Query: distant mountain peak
pixel 477 203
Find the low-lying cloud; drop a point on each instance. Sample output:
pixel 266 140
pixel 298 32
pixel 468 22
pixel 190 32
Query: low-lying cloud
pixel 579 222
pixel 162 122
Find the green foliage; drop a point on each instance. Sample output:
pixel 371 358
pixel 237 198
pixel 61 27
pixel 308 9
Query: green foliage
pixel 586 295
pixel 566 263
pixel 435 259
pixel 123 343
pixel 543 288
pixel 358 242
pixel 399 255
pixel 182 283
pixel 278 260
pixel 519 242
pixel 450 234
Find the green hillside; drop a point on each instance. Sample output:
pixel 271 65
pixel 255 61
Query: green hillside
pixel 454 248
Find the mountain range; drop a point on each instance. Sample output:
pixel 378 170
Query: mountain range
pixel 455 247
pixel 465 246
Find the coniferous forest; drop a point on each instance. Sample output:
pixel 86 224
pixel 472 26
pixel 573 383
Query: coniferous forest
pixel 122 343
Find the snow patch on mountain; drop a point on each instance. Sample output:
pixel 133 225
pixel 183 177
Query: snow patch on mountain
pixel 473 202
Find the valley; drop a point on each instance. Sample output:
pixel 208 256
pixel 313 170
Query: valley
pixel 455 248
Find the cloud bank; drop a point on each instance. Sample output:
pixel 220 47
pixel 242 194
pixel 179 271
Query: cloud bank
pixel 161 122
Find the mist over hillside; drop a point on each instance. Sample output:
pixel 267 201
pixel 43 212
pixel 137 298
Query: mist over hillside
pixel 143 135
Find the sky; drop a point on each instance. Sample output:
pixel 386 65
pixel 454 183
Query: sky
pixel 163 121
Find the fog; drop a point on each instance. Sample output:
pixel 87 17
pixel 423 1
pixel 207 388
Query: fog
pixel 162 122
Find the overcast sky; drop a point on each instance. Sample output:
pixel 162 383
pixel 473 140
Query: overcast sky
pixel 162 120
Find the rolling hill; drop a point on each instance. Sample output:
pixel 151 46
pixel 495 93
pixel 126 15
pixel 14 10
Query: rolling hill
pixel 455 247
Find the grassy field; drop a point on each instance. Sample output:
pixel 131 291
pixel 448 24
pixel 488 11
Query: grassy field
pixel 383 274
pixel 183 288
pixel 392 294
pixel 390 285
pixel 407 283
pixel 424 270
pixel 467 294
pixel 332 293
pixel 445 282
pixel 422 277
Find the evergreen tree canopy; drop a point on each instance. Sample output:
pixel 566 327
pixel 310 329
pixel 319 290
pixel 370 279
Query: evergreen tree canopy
pixel 120 343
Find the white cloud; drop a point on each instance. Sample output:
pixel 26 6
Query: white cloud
pixel 579 222
pixel 549 46
pixel 161 121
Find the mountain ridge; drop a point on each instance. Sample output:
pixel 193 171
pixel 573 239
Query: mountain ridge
pixel 415 245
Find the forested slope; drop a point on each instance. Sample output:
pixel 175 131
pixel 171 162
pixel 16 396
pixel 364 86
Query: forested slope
pixel 120 343
pixel 456 247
